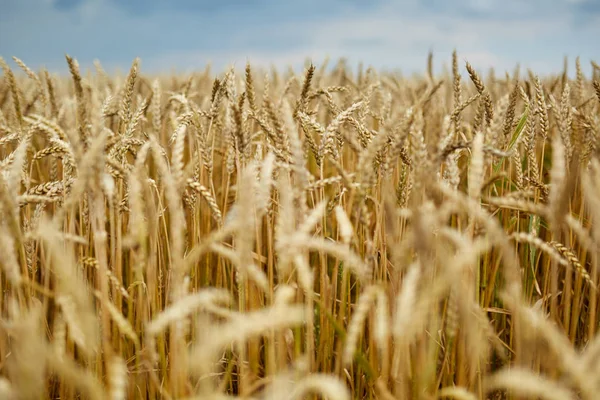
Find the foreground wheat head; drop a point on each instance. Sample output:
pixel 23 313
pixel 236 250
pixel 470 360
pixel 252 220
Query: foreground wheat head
pixel 279 236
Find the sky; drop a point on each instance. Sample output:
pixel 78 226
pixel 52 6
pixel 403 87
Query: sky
pixel 185 35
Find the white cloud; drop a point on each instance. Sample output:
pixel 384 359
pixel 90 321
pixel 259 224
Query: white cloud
pixel 387 38
pixel 389 34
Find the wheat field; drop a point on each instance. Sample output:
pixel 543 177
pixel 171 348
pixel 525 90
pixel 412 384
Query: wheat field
pixel 337 233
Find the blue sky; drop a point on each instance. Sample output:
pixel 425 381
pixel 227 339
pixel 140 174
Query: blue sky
pixel 187 34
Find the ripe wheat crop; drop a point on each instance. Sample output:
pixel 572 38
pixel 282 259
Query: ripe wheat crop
pixel 338 233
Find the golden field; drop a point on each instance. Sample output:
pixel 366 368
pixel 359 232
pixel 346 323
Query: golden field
pixel 339 233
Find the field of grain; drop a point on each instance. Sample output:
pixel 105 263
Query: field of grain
pixel 338 233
